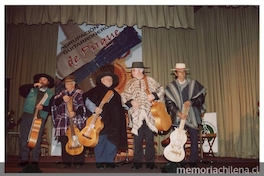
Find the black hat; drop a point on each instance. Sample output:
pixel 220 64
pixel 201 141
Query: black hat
pixel 108 73
pixel 138 65
pixel 50 79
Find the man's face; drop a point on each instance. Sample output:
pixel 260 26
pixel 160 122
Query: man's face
pixel 107 81
pixel 180 73
pixel 43 81
pixel 137 72
pixel 69 86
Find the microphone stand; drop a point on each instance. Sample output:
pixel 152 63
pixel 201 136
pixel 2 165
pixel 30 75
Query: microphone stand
pixel 126 160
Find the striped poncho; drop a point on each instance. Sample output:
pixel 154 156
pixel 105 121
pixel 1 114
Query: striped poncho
pixel 136 90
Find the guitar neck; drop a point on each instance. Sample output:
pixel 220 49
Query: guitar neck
pixel 184 111
pixel 182 123
pixel 126 40
pixel 71 126
pixel 105 99
pixel 44 98
pixel 36 113
pixel 95 116
pixel 70 109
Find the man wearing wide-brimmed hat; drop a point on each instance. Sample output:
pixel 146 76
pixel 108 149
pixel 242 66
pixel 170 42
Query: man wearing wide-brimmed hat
pixel 34 93
pixel 139 103
pixel 188 93
pixel 113 136
pixel 69 105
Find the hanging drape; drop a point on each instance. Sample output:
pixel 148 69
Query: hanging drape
pixel 222 52
pixel 151 16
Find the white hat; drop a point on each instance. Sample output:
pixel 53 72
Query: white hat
pixel 180 66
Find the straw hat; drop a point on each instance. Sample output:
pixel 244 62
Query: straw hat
pixel 180 66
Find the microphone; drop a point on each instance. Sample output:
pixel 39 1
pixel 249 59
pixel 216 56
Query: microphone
pixel 37 86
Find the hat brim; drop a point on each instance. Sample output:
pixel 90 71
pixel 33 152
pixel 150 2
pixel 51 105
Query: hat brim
pixel 68 81
pixel 173 69
pixel 173 73
pixel 144 71
pixel 138 67
pixel 50 79
pixel 113 75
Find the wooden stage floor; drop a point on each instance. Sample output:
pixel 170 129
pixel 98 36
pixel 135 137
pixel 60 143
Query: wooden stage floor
pixel 52 164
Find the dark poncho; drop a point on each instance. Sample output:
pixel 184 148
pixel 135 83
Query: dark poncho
pixel 113 115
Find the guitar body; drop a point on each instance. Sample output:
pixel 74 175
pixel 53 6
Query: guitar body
pixel 175 150
pixel 34 132
pixel 162 118
pixel 89 135
pixel 73 147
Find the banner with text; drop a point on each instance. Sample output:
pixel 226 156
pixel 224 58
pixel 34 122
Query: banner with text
pixel 86 51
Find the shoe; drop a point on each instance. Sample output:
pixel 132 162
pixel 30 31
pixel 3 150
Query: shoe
pixel 23 163
pixel 181 164
pixel 137 166
pixel 35 163
pixel 31 168
pixel 112 165
pixel 193 165
pixel 99 166
pixel 78 166
pixel 64 166
pixel 151 166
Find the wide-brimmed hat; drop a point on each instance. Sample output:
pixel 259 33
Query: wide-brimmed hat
pixel 108 73
pixel 137 65
pixel 50 79
pixel 180 66
pixel 69 78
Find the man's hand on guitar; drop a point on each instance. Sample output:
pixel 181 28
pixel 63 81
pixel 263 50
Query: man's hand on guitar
pixel 39 107
pixel 187 104
pixel 151 97
pixel 72 114
pixel 66 98
pixel 182 115
pixel 98 110
pixel 135 104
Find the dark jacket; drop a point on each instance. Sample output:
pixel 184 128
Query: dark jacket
pixel 113 115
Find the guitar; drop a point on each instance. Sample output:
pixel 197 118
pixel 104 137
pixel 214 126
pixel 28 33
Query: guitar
pixel 175 150
pixel 127 39
pixel 159 112
pixel 73 146
pixel 89 135
pixel 35 126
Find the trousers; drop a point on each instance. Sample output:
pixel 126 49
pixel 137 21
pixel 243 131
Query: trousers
pixel 25 127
